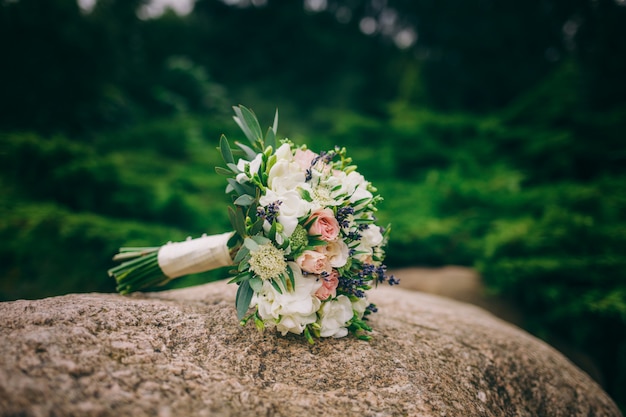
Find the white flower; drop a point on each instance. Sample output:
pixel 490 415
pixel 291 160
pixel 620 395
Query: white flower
pixel 371 236
pixel 334 315
pixel 360 193
pixel 286 174
pixel 359 306
pixel 284 153
pixel 291 310
pixel 292 207
pixel 255 164
pixel 267 261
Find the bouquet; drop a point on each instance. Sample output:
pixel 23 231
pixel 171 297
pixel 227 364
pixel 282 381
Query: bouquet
pixel 304 247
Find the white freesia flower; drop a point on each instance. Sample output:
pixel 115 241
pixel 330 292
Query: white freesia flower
pixel 255 164
pixel 290 209
pixel 371 236
pixel 359 306
pixel 284 153
pixel 361 193
pixel 291 310
pixel 334 315
pixel 286 174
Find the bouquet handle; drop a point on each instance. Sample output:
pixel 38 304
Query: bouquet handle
pixel 196 255
pixel 148 267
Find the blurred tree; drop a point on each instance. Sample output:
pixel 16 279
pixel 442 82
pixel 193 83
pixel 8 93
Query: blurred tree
pixel 481 54
pixel 281 49
pixel 49 72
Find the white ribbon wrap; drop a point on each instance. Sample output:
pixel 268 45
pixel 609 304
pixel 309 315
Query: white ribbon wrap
pixel 197 255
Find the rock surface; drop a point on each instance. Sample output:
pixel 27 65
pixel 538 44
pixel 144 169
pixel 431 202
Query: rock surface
pixel 182 352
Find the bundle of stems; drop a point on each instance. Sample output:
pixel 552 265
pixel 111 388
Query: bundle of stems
pixel 140 272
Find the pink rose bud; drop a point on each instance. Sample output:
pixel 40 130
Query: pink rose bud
pixel 324 225
pixel 313 262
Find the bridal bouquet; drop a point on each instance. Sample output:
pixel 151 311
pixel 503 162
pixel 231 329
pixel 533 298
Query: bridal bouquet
pixel 305 246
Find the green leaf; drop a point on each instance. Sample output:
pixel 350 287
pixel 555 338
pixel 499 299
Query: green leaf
pixel 247 122
pixel 272 232
pixel 244 200
pixel 256 227
pixel 256 284
pixel 237 220
pixel 276 286
pixel 252 122
pixel 233 168
pixel 270 139
pixel 223 171
pixel 275 126
pixel 261 240
pixel 283 280
pixel 240 278
pixel 225 150
pixel 237 187
pixel 250 244
pixel 241 253
pixel 244 296
pixel 243 266
pixel 291 278
pixel 250 153
pixel 359 202
pixel 306 195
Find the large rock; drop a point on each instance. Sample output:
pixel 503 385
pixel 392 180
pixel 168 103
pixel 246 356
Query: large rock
pixel 182 353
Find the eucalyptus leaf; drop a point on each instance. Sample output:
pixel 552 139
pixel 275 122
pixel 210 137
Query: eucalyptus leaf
pixel 250 244
pixel 223 171
pixel 272 232
pixel 249 152
pixel 261 240
pixel 257 227
pixel 232 216
pixel 244 128
pixel 244 296
pixel 243 266
pixel 233 168
pixel 241 254
pixel 256 284
pixel 239 188
pixel 244 200
pixel 275 126
pixel 270 138
pixel 252 122
pixel 225 150
pixel 240 277
pixel 237 220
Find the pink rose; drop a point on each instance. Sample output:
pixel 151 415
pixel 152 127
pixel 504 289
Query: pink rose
pixel 323 293
pixel 304 158
pixel 324 225
pixel 329 286
pixel 313 262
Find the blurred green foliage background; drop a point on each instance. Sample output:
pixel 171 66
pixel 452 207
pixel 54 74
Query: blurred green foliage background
pixel 496 131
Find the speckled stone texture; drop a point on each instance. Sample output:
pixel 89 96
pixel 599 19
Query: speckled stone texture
pixel 182 353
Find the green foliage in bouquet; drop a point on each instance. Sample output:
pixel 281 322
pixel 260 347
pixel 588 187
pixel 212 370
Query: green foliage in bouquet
pixel 245 201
